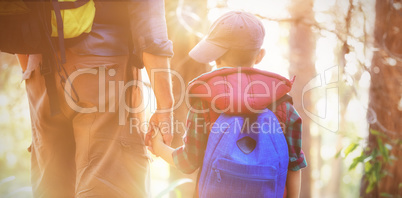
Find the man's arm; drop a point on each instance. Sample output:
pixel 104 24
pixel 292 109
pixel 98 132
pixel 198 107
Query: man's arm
pixel 151 44
pixel 158 71
pixel 293 184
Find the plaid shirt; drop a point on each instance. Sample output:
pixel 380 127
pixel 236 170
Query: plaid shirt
pixel 189 157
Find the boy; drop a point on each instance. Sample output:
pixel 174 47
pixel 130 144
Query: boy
pixel 234 43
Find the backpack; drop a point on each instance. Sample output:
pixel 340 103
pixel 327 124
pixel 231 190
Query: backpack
pixel 246 156
pixel 21 29
pixel 29 26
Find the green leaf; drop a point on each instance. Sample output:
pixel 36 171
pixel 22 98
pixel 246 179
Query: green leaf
pixel 385 195
pixel 338 154
pixel 376 133
pixel 350 148
pixel 380 144
pixel 377 170
pixel 356 161
pixel 367 159
pixel 353 165
pixel 374 153
pixel 383 150
pixel 370 187
pixel 367 167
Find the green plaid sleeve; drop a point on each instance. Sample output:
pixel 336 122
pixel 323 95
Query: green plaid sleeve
pixel 189 157
pixel 293 134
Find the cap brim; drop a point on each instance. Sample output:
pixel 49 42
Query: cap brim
pixel 206 52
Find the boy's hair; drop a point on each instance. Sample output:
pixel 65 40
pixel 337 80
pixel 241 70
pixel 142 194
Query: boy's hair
pixel 239 57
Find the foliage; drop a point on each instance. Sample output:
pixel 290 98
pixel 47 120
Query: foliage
pixel 20 192
pixel 373 158
pixel 14 131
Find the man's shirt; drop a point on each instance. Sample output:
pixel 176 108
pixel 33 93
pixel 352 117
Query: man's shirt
pixel 121 24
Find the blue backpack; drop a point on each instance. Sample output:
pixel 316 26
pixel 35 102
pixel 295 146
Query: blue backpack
pixel 246 156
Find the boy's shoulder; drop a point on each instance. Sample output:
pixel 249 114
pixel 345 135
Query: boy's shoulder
pixel 243 76
pixel 239 89
pixel 225 71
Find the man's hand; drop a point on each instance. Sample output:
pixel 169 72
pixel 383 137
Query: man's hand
pixel 162 122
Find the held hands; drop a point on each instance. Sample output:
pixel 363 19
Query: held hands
pixel 160 126
pixel 159 148
pixel 157 142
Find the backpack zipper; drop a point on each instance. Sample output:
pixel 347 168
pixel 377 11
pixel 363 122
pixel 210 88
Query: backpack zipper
pixel 240 176
pixel 210 163
pixel 218 174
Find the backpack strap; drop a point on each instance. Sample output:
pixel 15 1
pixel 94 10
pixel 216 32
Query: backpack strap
pixel 49 60
pixel 50 83
pixel 72 4
pixel 58 6
pixel 60 30
pixel 285 98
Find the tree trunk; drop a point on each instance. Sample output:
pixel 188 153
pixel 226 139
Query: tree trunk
pixel 301 57
pixel 183 29
pixel 385 104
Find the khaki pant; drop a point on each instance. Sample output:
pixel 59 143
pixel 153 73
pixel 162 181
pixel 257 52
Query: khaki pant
pixel 86 154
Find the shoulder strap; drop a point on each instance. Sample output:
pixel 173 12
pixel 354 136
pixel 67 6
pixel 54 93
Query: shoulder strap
pixel 60 30
pixel 285 98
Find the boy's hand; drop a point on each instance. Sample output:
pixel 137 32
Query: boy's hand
pixel 156 140
pixel 159 148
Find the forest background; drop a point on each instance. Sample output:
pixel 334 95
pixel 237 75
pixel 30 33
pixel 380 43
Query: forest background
pixel 347 59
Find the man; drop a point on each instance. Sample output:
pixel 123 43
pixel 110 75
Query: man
pixel 90 149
